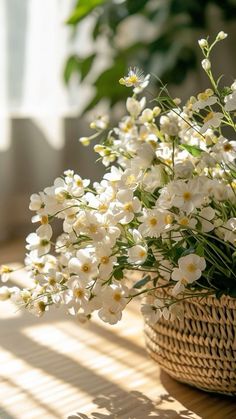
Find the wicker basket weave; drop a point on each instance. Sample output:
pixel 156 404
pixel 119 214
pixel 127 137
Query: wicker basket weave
pixel 200 349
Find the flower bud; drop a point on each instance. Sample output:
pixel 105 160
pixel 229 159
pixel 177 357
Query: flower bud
pixel 147 115
pixel 221 35
pixel 203 43
pixel 156 111
pixel 206 64
pixel 4 293
pixel 233 86
pixel 177 101
pixel 84 140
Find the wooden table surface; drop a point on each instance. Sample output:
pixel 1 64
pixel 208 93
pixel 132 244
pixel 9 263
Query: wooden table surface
pixel 53 367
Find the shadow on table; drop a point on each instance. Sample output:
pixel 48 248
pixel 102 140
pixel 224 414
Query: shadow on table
pixel 135 405
pixel 205 405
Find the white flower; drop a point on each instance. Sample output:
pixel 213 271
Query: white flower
pixel 184 169
pixel 185 221
pixel 153 178
pixel 131 178
pixel 5 272
pixel 205 99
pixel 212 119
pixel 137 254
pixel 152 223
pixel 110 315
pixel 206 64
pixel 127 205
pixel 136 79
pixel 41 245
pixel 100 123
pixel 187 196
pixel 105 260
pixel 84 265
pixel 221 35
pixel 182 280
pixel 225 150
pixel 5 294
pixel 147 116
pixel 230 231
pixel 192 266
pixel 150 313
pixel 44 231
pixel 115 296
pixel 77 185
pixel 134 107
pixel 170 123
pixel 206 215
pixel 37 202
pixel 203 43
pixel 230 101
pixel 78 291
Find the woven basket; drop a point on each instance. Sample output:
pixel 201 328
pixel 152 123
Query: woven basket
pixel 200 349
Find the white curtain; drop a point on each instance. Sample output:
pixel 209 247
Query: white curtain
pixel 38 113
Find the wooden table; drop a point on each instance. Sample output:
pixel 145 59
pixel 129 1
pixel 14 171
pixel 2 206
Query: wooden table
pixel 55 368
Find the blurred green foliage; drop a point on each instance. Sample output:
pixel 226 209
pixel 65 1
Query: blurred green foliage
pixel 170 54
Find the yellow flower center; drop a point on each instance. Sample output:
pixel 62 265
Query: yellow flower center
pixel 85 267
pixel 52 281
pixel 128 207
pixel 78 293
pixel 132 79
pixel 41 306
pixel 105 260
pixel 184 221
pixel 153 221
pixel 187 196
pixel 191 267
pixel 103 207
pixel 44 219
pixel 142 253
pixel 79 183
pixel 117 296
pixel 168 219
pixel 227 147
pixel 92 228
pixel 130 179
pixel 209 116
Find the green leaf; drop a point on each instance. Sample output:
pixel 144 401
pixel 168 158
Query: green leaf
pixel 85 66
pixel 118 274
pixel 142 282
pixel 107 85
pixel 192 149
pixel 82 9
pixel 135 6
pixel 78 65
pixel 70 68
pixel 199 250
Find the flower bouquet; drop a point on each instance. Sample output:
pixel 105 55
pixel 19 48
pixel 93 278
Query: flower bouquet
pixel 165 209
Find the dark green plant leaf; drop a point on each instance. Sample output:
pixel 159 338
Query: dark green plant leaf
pixel 118 274
pixel 135 6
pixel 70 68
pixel 82 9
pixel 107 85
pixel 85 65
pixel 78 65
pixel 142 282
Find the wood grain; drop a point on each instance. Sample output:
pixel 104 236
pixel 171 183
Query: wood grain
pixel 54 368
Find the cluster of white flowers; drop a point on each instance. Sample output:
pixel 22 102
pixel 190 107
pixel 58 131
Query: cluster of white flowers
pixel 164 208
